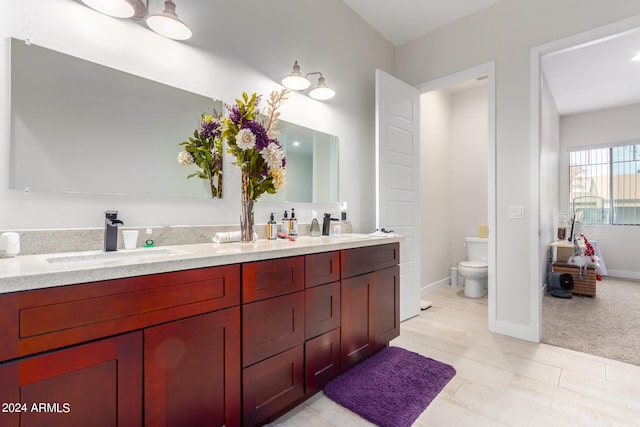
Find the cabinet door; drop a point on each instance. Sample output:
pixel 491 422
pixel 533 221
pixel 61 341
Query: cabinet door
pixel 96 384
pixel 357 330
pixel 192 371
pixel 386 306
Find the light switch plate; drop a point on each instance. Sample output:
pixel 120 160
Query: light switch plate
pixel 516 212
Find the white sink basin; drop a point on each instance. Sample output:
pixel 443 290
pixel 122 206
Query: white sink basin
pixel 128 255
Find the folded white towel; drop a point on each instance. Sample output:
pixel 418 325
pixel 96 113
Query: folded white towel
pixel 379 233
pixel 230 236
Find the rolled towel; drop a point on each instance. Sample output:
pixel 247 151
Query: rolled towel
pixel 230 236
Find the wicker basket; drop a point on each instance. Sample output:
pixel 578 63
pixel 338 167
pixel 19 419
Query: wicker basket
pixel 584 286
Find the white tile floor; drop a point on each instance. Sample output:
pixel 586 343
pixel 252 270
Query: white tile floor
pixel 500 381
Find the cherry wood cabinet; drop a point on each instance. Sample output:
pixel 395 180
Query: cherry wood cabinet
pixel 156 350
pixel 95 384
pixel 370 301
pixel 271 326
pixel 217 346
pixel 191 371
pixel 322 361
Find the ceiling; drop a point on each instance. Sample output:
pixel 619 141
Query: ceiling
pixel 596 75
pixel 590 77
pixel 400 21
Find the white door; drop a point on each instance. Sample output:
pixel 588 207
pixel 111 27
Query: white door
pixel 398 179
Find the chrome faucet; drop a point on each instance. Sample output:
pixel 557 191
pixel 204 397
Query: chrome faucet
pixel 111 224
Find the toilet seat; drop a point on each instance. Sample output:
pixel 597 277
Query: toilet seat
pixel 473 264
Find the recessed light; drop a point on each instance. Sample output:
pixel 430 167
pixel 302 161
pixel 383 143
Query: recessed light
pixel 296 143
pixel 636 57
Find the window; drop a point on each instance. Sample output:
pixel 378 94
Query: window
pixel 604 184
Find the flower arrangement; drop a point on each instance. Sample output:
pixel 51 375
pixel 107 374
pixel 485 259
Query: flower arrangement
pixel 251 138
pixel 204 149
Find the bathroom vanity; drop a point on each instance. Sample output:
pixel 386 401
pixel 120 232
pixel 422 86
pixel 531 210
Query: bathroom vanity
pixel 233 334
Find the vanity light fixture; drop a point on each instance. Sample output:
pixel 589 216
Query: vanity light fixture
pixel 166 24
pixel 297 81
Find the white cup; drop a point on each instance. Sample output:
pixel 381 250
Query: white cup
pixel 130 238
pixel 9 244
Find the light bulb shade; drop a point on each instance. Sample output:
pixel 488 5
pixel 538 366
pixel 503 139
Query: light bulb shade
pixel 295 80
pixel 322 92
pixel 168 24
pixel 115 8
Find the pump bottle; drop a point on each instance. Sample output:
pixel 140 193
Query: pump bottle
pixel 272 228
pixel 293 224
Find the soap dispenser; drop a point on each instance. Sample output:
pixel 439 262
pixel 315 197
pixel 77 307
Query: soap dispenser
pixel 293 224
pixel 314 231
pixel 285 223
pixel 272 228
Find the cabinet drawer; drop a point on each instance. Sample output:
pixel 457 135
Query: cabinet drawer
pixel 321 268
pixel 267 279
pixel 322 360
pixel 40 320
pixel 272 385
pixel 354 262
pixel 271 326
pixel 322 309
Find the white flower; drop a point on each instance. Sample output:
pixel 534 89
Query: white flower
pixel 245 139
pixel 273 155
pixel 185 158
pixel 279 178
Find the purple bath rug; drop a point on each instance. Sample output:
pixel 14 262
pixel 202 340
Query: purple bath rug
pixel 392 387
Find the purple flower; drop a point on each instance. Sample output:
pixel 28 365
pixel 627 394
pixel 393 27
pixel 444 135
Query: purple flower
pixel 234 114
pixel 211 129
pixel 262 139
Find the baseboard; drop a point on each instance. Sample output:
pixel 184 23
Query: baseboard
pixel 622 274
pixel 431 287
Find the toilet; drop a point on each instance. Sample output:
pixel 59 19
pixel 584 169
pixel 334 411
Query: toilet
pixel 475 269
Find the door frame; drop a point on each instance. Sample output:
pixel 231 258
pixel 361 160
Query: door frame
pixel 538 265
pixel 487 69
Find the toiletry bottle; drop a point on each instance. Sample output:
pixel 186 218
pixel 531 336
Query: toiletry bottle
pixel 343 213
pixel 285 223
pixel 293 224
pixel 314 230
pixel 149 243
pixel 272 228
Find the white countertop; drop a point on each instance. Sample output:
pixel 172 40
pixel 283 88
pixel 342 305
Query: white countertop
pixel 47 270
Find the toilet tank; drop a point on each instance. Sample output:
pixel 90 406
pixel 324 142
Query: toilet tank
pixel 477 248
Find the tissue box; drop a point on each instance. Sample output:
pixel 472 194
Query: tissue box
pixel 584 286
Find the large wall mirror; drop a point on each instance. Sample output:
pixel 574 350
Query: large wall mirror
pixel 77 126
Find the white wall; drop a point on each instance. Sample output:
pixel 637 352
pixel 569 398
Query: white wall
pixel 618 243
pixel 506 33
pixel 453 171
pixel 237 46
pixel 469 190
pixel 435 179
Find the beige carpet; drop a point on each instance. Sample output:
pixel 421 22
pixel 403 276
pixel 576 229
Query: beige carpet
pixel 606 325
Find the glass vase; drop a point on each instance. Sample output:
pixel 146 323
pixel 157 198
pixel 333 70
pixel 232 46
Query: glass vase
pixel 246 221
